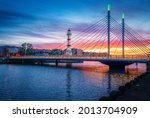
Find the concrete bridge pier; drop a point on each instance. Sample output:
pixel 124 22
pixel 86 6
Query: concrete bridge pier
pixel 7 61
pixel 69 65
pixel 42 63
pixel 56 62
pixel 117 68
pixel 116 65
pixel 148 67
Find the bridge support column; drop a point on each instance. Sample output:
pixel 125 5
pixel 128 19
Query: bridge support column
pixel 7 61
pixel 148 67
pixel 69 65
pixel 41 62
pixel 56 62
pixel 120 68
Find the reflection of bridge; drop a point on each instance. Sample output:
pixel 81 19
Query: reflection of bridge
pixel 106 38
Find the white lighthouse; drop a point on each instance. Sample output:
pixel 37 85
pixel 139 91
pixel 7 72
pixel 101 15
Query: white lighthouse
pixel 68 50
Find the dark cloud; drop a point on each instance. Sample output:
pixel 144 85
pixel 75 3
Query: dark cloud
pixel 12 18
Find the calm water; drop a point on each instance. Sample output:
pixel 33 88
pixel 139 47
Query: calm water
pixel 88 81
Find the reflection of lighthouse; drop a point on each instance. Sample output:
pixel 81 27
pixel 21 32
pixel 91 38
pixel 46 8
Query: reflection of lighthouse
pixel 68 50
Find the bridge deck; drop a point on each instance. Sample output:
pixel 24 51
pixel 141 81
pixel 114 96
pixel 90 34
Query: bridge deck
pixel 113 62
pixel 103 59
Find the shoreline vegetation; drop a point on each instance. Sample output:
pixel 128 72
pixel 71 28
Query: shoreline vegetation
pixel 135 90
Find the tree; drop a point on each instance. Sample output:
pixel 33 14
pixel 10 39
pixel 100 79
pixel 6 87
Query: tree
pixel 26 49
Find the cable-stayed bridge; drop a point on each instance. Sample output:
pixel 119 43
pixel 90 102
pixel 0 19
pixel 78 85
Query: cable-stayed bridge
pixel 107 41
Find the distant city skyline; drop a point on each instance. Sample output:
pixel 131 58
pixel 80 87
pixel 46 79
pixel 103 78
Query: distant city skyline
pixel 44 23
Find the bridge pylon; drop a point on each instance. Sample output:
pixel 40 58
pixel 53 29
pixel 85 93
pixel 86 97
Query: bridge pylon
pixel 108 30
pixel 123 34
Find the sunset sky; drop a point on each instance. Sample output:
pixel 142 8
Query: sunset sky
pixel 44 22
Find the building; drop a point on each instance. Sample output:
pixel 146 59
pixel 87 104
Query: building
pixel 41 52
pixel 75 52
pixel 56 52
pixel 95 54
pixel 6 51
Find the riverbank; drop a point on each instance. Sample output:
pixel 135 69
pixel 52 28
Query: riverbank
pixel 140 91
pixel 135 90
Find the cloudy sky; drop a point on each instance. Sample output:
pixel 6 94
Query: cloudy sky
pixel 42 22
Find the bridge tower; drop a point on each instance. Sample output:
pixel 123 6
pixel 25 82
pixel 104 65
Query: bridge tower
pixel 123 32
pixel 108 27
pixel 68 50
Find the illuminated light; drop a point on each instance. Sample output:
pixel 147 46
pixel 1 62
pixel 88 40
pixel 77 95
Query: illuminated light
pixel 108 7
pixel 123 16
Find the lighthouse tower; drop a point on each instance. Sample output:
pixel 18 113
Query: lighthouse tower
pixel 68 50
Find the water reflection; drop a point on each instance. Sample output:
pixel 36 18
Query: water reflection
pixel 68 85
pixel 81 82
pixel 109 83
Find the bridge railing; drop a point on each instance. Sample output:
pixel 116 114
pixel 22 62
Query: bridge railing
pixel 90 56
pixel 130 57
